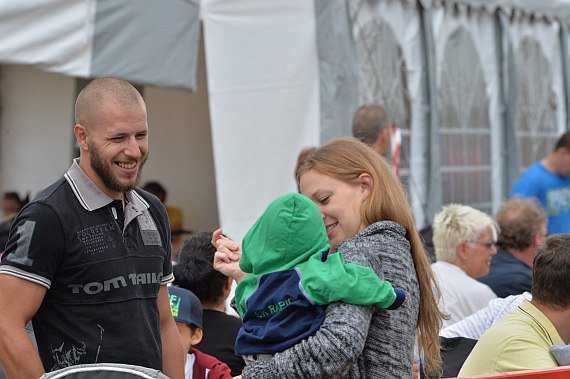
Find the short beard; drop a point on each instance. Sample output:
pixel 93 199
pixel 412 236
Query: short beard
pixel 107 178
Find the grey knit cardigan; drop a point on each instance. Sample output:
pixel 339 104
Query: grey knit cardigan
pixel 358 341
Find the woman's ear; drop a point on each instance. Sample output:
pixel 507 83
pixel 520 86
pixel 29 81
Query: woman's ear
pixel 460 250
pixel 366 184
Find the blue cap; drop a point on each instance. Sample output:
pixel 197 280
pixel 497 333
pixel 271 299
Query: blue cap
pixel 185 306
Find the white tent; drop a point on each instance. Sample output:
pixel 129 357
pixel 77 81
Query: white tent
pixel 478 88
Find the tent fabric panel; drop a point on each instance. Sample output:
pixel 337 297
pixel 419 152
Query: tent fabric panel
pixel 55 35
pixel 551 10
pixel 434 184
pixel 508 73
pixel 393 87
pixel 478 113
pixel 542 117
pixel 147 41
pixel 264 101
pixel 338 69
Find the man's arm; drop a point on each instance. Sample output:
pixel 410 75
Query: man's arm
pixel 19 301
pixel 172 352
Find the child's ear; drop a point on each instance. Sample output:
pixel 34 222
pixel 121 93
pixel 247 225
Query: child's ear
pixel 228 287
pixel 196 337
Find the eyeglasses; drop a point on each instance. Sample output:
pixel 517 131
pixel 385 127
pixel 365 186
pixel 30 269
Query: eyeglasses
pixel 488 244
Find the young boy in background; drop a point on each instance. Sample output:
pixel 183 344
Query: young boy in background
pixel 187 312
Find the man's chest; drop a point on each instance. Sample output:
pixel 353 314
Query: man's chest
pixel 104 262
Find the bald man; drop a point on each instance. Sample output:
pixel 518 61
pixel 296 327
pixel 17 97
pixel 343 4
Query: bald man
pixel 89 259
pixel 371 124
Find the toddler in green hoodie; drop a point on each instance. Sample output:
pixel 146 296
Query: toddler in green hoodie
pixel 292 275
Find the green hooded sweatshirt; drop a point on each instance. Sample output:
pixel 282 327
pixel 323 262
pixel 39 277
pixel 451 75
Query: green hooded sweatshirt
pixel 290 241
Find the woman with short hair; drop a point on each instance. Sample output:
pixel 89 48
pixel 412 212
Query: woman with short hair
pixel 464 241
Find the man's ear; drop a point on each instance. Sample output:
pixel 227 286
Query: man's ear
pixel 366 184
pixel 82 136
pixel 386 136
pixel 196 337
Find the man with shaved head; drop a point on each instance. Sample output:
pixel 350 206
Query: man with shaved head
pixel 89 259
pixel 371 124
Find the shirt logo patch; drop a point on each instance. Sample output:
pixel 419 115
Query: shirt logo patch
pixel 149 232
pixel 97 239
pixel 557 201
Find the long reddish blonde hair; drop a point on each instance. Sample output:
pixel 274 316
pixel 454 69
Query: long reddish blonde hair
pixel 346 159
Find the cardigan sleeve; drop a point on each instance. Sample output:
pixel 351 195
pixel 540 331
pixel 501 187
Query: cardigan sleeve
pixel 328 354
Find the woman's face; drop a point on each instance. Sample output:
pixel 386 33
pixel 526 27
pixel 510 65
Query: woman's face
pixel 339 202
pixel 478 255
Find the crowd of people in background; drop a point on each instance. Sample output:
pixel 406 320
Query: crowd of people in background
pixel 332 281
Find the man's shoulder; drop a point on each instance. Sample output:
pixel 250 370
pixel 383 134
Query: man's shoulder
pixel 53 192
pixel 533 180
pixel 148 197
pixel 506 262
pixel 51 200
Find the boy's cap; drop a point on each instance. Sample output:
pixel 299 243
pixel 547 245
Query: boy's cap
pixel 185 306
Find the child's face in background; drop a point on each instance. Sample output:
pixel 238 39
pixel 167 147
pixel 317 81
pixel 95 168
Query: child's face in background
pixel 185 335
pixel 189 338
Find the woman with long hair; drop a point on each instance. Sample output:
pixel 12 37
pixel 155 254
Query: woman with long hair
pixel 367 218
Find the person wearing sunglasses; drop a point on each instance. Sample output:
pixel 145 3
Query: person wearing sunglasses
pixel 464 241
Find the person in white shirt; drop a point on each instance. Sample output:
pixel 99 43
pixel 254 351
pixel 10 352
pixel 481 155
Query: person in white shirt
pixel 475 325
pixel 464 241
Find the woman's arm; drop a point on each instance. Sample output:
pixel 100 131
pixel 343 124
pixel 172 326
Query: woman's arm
pixel 328 354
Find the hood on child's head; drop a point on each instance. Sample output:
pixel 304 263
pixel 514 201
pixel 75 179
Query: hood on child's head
pixel 289 231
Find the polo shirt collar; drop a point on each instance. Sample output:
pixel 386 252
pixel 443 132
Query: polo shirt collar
pixel 91 197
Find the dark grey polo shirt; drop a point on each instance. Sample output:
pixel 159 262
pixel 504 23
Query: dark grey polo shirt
pixel 102 279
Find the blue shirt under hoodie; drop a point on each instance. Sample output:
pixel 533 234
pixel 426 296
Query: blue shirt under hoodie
pixel 292 276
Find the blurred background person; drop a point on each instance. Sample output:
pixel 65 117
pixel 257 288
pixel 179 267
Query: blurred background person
pixel 303 155
pixel 371 124
pixel 522 224
pixel 195 272
pixel 11 205
pixel 175 215
pixel 548 180
pixel 464 241
pixel 522 339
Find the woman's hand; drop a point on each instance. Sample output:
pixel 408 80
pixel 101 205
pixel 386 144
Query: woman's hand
pixel 416 369
pixel 226 259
